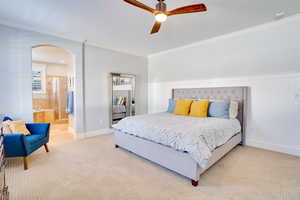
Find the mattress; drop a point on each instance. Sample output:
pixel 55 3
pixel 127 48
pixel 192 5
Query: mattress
pixel 197 136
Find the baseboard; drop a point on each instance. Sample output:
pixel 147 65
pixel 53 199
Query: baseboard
pixel 274 147
pixel 94 133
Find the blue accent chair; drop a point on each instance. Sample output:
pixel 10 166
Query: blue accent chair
pixel 20 145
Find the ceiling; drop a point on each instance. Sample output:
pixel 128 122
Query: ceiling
pixel 117 25
pixel 51 54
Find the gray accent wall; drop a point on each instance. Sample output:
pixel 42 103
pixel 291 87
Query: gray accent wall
pixel 99 64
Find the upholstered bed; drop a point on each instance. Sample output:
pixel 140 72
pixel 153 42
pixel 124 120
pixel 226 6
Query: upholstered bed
pixel 186 159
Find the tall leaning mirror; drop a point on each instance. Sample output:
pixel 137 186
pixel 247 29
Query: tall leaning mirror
pixel 123 96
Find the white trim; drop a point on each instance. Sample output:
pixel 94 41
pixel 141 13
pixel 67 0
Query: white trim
pixel 245 79
pixel 273 147
pixel 89 134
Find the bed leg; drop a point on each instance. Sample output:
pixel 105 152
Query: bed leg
pixel 194 183
pixel 116 146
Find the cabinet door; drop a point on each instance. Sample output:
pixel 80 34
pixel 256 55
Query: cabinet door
pixel 39 117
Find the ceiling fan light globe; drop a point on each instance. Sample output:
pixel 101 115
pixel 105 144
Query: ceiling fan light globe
pixel 161 17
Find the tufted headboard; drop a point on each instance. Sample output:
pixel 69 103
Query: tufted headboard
pixel 218 93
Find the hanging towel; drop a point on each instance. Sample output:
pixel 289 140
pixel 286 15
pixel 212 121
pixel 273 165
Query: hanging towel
pixel 70 102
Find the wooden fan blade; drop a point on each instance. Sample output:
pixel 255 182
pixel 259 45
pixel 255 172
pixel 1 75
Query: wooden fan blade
pixel 188 9
pixel 156 27
pixel 140 5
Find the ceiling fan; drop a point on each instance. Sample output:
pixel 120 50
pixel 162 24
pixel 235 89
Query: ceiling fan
pixel 161 14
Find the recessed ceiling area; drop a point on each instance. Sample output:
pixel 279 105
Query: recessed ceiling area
pixel 119 26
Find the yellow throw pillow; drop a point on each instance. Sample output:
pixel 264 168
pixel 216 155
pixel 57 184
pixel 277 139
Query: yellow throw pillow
pixel 199 108
pixel 18 127
pixel 183 107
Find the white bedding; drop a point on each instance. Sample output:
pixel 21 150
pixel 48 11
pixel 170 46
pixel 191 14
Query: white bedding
pixel 197 136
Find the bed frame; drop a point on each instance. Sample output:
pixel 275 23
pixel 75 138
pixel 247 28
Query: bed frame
pixel 182 162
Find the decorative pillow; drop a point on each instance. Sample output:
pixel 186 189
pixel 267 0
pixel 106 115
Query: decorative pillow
pixel 233 109
pixel 18 127
pixel 183 106
pixel 171 106
pixel 219 109
pixel 6 118
pixel 199 108
pixel 5 127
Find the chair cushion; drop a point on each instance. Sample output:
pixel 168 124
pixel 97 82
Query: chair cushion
pixel 32 139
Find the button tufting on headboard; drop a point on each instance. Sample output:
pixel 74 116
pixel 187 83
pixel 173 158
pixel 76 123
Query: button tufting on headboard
pixel 218 93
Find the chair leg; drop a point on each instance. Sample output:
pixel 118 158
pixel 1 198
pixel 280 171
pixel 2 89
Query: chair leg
pixel 194 183
pixel 46 147
pixel 25 160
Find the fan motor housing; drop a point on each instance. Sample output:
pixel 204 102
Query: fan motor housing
pixel 161 6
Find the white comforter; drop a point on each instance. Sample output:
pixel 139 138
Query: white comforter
pixel 198 136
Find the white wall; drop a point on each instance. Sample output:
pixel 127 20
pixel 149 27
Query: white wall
pixel 15 77
pixel 99 64
pixel 15 71
pixel 265 58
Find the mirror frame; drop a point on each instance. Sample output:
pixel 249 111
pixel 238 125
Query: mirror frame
pixel 112 74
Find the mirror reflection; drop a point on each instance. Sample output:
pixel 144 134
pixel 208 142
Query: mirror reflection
pixel 123 96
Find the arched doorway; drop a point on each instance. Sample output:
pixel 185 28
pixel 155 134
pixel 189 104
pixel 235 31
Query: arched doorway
pixel 53 91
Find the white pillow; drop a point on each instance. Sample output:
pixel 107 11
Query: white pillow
pixel 5 127
pixel 233 109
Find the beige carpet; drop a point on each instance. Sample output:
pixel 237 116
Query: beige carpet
pixel 92 169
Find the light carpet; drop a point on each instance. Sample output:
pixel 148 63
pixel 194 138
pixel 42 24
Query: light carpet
pixel 92 169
